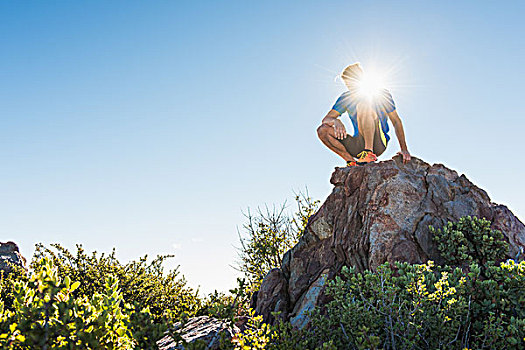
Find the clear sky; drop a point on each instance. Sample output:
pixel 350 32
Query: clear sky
pixel 150 126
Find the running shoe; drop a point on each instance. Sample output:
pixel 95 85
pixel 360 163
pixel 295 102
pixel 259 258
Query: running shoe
pixel 366 157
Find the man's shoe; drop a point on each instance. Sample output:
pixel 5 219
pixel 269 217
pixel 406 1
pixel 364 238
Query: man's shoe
pixel 351 163
pixel 366 157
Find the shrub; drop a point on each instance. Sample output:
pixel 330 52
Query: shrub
pixel 257 335
pixel 16 273
pixel 414 307
pixel 268 235
pixel 147 299
pixel 497 306
pixel 405 306
pixel 47 314
pixel 166 295
pixel 496 291
pixel 470 240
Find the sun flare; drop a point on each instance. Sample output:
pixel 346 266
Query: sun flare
pixel 371 84
pixel 376 78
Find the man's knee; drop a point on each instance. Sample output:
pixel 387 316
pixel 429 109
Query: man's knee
pixel 323 130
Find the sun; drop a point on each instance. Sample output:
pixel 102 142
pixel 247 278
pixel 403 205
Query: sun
pixel 371 84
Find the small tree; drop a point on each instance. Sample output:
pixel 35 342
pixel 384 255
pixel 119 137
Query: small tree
pixel 268 234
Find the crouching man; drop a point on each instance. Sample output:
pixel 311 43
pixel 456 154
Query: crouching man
pixel 369 109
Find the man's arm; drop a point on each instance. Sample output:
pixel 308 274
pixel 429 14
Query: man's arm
pixel 331 119
pixel 400 133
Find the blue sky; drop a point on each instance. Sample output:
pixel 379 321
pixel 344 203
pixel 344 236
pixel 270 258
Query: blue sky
pixel 151 126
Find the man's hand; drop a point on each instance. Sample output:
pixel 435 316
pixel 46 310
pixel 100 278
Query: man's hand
pixel 340 130
pixel 405 155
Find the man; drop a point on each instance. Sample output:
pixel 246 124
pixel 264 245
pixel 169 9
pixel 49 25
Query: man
pixel 368 110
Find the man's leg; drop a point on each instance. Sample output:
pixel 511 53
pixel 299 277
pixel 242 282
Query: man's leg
pixel 327 135
pixel 366 117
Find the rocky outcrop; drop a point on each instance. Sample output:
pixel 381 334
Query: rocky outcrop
pixel 375 214
pixel 274 291
pixel 203 328
pixel 10 256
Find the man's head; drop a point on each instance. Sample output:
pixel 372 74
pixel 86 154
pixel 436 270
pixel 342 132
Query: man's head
pixel 351 75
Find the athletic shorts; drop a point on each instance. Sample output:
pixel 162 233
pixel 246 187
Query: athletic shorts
pixel 356 145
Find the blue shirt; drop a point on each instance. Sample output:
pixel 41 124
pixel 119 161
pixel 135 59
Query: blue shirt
pixel 383 104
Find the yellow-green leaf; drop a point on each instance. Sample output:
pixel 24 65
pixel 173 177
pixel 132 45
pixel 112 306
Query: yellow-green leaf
pixel 75 285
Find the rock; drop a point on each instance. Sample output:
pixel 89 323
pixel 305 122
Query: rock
pixel 375 214
pixel 203 328
pixel 308 301
pixel 10 255
pixel 242 323
pixel 274 290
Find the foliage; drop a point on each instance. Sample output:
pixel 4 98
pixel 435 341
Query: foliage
pixel 258 335
pixel 81 301
pixel 470 240
pixel 149 299
pixel 496 291
pixel 47 314
pixel 226 307
pixel 423 306
pixel 415 307
pixel 497 297
pixel 404 306
pixel 166 295
pixel 268 234
pixel 14 273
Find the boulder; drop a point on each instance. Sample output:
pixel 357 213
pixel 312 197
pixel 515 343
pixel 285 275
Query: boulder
pixel 375 214
pixel 10 256
pixel 203 328
pixel 274 290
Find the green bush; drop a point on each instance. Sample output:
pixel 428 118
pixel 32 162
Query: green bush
pixel 408 306
pixel 16 273
pixel 47 314
pixel 470 240
pixel 146 284
pixel 257 335
pixel 496 291
pixel 148 299
pixel 416 307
